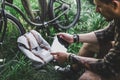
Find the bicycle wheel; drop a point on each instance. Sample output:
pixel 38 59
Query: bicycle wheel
pixel 70 17
pixel 8 48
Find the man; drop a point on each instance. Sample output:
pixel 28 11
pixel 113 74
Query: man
pixel 106 65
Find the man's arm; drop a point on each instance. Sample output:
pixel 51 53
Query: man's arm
pixel 88 38
pixel 109 65
pixel 102 35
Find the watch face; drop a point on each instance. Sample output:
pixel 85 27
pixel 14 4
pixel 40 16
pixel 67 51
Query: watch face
pixel 76 38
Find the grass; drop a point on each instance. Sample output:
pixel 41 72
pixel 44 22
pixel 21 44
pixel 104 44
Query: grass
pixel 20 68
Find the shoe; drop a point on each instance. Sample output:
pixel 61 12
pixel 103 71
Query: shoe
pixel 67 72
pixel 64 70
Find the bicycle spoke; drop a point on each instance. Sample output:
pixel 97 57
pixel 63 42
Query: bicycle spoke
pixel 67 19
pixel 58 1
pixel 65 2
pixel 70 10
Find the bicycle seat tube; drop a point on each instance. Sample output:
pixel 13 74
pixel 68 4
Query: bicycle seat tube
pixel 28 9
pixel 42 9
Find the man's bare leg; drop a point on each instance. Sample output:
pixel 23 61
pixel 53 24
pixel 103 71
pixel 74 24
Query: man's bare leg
pixel 88 50
pixel 88 75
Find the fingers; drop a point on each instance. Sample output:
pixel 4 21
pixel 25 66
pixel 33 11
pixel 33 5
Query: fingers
pixel 61 35
pixel 60 56
pixel 55 57
pixel 54 53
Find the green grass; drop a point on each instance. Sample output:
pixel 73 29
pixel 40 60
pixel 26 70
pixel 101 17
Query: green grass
pixel 20 68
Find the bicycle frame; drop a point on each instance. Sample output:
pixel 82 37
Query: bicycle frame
pixel 3 25
pixel 43 9
pixel 3 16
pixel 44 24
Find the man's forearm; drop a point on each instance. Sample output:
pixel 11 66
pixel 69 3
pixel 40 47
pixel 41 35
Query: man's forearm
pixel 83 61
pixel 88 38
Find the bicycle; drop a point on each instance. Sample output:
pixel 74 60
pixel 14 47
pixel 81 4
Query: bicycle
pixel 62 14
pixel 10 30
pixel 66 12
pixel 9 34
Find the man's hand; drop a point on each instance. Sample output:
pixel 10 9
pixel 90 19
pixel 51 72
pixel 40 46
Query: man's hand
pixel 60 56
pixel 66 37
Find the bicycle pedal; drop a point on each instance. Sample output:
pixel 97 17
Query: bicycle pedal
pixel 38 19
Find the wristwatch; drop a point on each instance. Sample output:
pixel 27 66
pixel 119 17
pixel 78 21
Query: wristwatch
pixel 75 38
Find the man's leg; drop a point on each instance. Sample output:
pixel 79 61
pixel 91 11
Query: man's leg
pixel 88 75
pixel 88 50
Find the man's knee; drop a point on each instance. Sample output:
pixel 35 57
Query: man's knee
pixel 88 49
pixel 90 76
pixel 91 47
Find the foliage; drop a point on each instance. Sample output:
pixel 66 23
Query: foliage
pixel 21 68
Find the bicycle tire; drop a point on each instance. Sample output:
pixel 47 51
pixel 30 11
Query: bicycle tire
pixel 10 1
pixel 63 22
pixel 9 49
